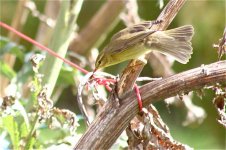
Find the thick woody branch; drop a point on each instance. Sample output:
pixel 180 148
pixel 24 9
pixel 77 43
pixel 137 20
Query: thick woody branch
pixel 112 120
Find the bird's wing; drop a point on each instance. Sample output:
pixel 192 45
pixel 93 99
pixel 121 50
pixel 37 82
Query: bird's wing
pixel 143 26
pixel 121 42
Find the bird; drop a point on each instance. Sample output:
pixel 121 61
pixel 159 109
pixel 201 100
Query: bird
pixel 139 39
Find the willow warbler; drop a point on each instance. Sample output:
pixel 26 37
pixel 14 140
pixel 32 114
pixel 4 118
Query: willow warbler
pixel 139 39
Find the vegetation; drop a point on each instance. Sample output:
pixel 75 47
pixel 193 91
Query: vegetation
pixel 39 107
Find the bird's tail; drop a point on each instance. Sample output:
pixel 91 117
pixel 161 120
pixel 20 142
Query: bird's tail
pixel 174 42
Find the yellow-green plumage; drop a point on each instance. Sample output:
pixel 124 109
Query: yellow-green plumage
pixel 135 41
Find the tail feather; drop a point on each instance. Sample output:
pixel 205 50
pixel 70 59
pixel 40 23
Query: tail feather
pixel 174 42
pixel 181 33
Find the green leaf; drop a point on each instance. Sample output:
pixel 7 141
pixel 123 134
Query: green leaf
pixel 7 46
pixel 11 127
pixel 6 70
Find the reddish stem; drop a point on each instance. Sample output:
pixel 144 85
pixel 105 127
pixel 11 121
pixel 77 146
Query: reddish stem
pixel 138 97
pixel 104 82
pixel 42 47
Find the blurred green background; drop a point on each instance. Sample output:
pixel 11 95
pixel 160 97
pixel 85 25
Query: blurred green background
pixel 208 19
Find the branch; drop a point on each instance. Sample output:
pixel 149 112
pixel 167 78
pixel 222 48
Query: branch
pixel 111 121
pixel 99 24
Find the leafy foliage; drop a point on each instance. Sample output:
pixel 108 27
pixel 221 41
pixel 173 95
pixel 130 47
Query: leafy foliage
pixel 24 118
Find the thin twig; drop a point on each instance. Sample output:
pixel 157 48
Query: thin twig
pixel 221 45
pixel 85 81
pixel 81 105
pixel 51 11
pixel 30 5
